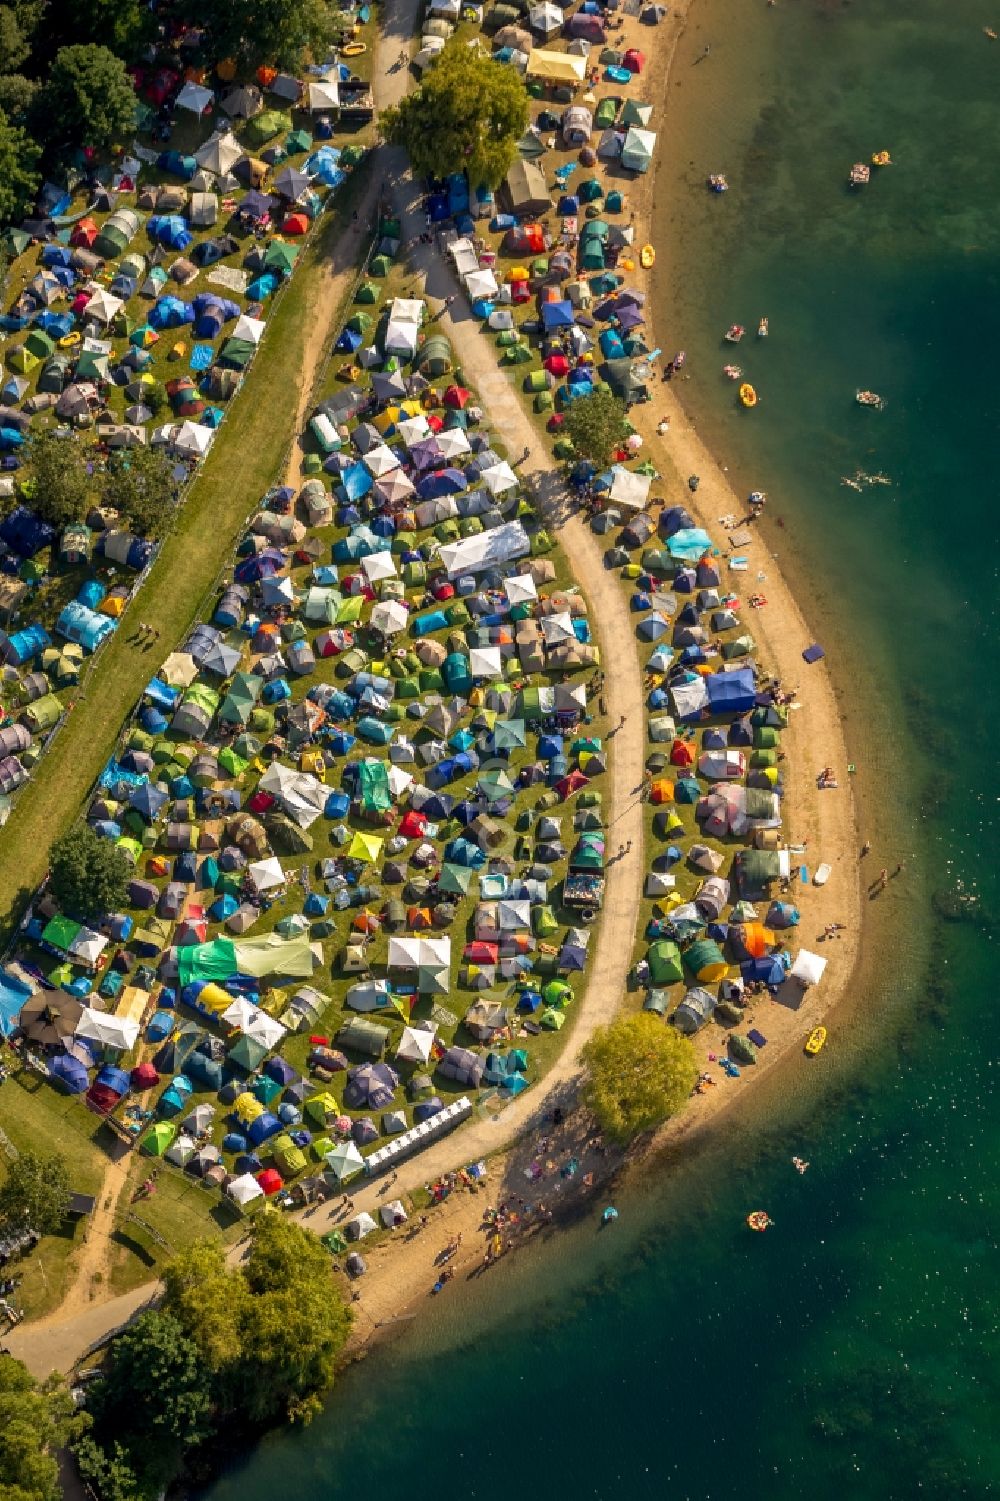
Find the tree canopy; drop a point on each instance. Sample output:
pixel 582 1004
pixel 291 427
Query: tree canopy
pixel 19 158
pixel 88 99
pixel 155 1384
pixel 467 115
pixel 88 875
pixel 34 1421
pixel 139 484
pixel 35 1193
pixel 57 486
pixel 597 425
pixel 639 1071
pixel 278 32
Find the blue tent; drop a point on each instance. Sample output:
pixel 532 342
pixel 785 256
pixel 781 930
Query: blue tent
pixel 177 164
pixel 557 315
pixel 13 994
pixel 356 482
pixel 84 627
pixel 169 230
pixel 147 800
pixel 25 533
pixel 443 482
pixel 769 969
pixel 264 1126
pixel 70 1072
pixel 731 692
pixel 170 312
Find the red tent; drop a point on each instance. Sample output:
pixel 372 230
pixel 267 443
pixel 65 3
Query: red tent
pixel 144 1076
pixel 84 233
pixel 634 60
pixel 566 786
pixel 457 396
pixel 413 825
pixel 520 292
pixel 557 364
pixel 270 1180
pixel 443 591
pixel 479 952
pixel 681 754
pixel 296 224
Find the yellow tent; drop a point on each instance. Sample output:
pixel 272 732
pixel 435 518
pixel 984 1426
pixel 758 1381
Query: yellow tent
pixel 365 847
pixel 556 67
pixel 214 998
pixel 247 1108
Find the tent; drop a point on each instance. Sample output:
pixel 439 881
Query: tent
pixel 525 189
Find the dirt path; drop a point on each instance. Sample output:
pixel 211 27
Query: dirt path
pixel 93 1264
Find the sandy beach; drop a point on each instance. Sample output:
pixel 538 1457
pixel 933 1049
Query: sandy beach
pixel 822 822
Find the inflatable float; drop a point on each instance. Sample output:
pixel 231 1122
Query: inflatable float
pixel 647 257
pixel 759 1220
pixel 815 1041
pixel 748 396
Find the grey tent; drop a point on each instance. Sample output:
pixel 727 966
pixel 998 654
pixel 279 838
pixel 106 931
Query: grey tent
pixel 525 189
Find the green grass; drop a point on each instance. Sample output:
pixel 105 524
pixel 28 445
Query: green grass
pixel 150 1231
pixel 246 458
pixel 34 1117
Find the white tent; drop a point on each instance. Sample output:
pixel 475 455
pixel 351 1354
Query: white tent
pixel 179 670
pixel 248 328
pixel 415 1045
pixel 452 443
pixel 413 429
pixel 546 19
pixel 499 478
pixel 361 1225
pixel 485 662
pixel 689 698
pixel 369 995
pixel 392 1214
pixel 402 334
pixel 219 154
pixel 491 549
pixel 520 588
pixel 193 439
pixel 116 1032
pixel 87 947
pixel 464 256
pixel 266 874
pixel 301 795
pixel 264 1029
pixel 345 1161
pixel 628 489
pixel 379 461
pixel 378 565
pixel 390 617
pixel 324 94
pixel 807 969
pixel 557 628
pixel 102 307
pixel 411 953
pixel 481 284
pixel 194 97
pixel 245 1189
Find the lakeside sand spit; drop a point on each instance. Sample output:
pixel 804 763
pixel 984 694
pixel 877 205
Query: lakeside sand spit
pixel 401 1269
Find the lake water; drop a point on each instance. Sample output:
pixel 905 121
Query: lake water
pixel 854 1350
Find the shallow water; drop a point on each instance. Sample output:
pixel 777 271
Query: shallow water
pixel 853 1351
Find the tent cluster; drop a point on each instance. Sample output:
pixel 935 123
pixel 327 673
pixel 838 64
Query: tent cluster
pixel 173 255
pixel 372 763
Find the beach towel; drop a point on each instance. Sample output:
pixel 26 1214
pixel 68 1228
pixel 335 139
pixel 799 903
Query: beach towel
pixel 202 356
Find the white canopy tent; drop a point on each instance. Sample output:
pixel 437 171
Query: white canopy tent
pixel 194 97
pixel 117 1032
pixel 628 489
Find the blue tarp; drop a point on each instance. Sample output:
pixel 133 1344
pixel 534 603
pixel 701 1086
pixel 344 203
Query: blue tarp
pixel 731 692
pixel 13 994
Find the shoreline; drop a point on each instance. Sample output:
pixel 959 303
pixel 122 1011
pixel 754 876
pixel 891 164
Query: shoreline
pixel 393 1289
pixel 399 1275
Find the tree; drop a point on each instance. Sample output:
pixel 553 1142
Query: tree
pixel 57 487
pixel 34 1421
pixel 17 96
pixel 19 179
pixel 596 425
pixel 640 1071
pixel 279 32
pixel 123 25
pixel 108 1471
pixel 35 1193
pixel 295 1326
pixel 467 115
pixel 138 483
pixel 154 1386
pixel 88 875
pixel 87 100
pixel 14 45
pixel 208 1300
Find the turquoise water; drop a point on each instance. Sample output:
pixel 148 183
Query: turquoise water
pixel 854 1350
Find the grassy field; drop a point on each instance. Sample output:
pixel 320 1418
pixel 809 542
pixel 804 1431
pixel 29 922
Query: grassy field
pixel 245 460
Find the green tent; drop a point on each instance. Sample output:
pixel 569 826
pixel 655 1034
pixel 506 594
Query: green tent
pixel 552 1019
pixel 281 256
pixel 239 702
pixel 248 1053
pixel 158 1138
pixel 265 127
pixel 373 783
pixel 664 960
pixel 380 266
pixel 368 292
pixel 237 352
pixel 543 921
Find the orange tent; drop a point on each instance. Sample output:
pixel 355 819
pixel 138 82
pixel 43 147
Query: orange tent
pixel 418 917
pixel 756 939
pixel 661 791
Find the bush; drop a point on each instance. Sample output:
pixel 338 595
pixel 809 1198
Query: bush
pixel 88 875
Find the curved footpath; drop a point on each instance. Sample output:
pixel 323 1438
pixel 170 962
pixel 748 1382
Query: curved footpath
pixel 57 1342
